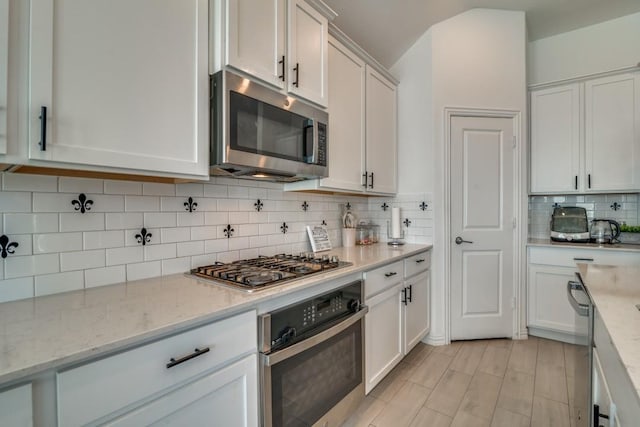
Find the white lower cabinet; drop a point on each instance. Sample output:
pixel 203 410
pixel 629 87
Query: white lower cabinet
pixel 398 297
pixel 227 397
pixel 185 372
pixel 16 407
pixel 549 313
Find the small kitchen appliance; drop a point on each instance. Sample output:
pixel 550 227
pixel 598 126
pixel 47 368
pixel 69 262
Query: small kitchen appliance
pixel 605 231
pixel 259 273
pixel 570 224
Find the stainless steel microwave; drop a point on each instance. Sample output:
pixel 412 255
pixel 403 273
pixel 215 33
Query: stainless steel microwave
pixel 259 133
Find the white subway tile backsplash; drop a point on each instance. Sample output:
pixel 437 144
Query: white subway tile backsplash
pixel 123 187
pixel 54 202
pixel 162 251
pixel 26 182
pixel 216 245
pixel 104 276
pixel 15 289
pixel 172 235
pixel 81 222
pixel 216 218
pixel 70 261
pixel 190 219
pixel 119 221
pixel 238 243
pixel 23 242
pixel 248 230
pixel 216 191
pixel 227 205
pixel 59 282
pixel 176 265
pixel 30 223
pixel 80 185
pixel 205 232
pixel 117 256
pixel 158 219
pixel 141 203
pixel 258 241
pixel 190 190
pixel 239 217
pixel 107 203
pixel 236 192
pixel 174 204
pixel 134 237
pixel 31 265
pixel 144 270
pixel 15 202
pixel 191 248
pixel 102 239
pixel 56 242
pixel 158 189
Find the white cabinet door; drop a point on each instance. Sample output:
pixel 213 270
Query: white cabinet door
pixel 125 84
pixel 612 135
pixel 4 60
pixel 416 310
pixel 346 121
pixel 381 155
pixel 555 139
pixel 256 38
pixel 549 307
pixel 307 49
pixel 383 337
pixel 16 407
pixel 228 397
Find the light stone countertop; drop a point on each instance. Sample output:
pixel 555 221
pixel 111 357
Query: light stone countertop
pixel 606 246
pixel 53 332
pixel 615 291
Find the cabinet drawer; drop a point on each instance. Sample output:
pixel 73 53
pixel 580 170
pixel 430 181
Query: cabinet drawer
pixel 569 257
pixel 417 263
pixel 382 278
pixel 94 390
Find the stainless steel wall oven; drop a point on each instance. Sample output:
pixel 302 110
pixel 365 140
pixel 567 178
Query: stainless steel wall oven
pixel 312 359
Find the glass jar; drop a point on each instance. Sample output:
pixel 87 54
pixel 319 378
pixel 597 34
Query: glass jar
pixel 374 233
pixel 362 234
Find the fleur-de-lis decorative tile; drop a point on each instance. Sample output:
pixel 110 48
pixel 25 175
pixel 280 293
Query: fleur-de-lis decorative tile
pixel 228 231
pixel 407 222
pixel 423 206
pixel 284 228
pixel 144 237
pixel 7 247
pixel 385 206
pixel 305 206
pixel 258 205
pixel 82 204
pixel 190 205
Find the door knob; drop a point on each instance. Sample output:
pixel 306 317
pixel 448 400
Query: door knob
pixel 460 240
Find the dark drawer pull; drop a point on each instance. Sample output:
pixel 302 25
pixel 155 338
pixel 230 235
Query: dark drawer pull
pixel 418 261
pixel 197 352
pixel 393 273
pixel 583 259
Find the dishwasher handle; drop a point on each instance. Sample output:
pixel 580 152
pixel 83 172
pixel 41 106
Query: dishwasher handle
pixel 580 308
pixel 285 353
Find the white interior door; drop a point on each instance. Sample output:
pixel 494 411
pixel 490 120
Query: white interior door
pixel 482 232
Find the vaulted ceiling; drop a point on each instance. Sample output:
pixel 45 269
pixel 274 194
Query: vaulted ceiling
pixel 387 28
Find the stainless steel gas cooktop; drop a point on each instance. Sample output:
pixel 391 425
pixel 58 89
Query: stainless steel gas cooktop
pixel 260 273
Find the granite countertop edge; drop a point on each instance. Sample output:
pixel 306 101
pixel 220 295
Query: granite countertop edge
pixel 168 304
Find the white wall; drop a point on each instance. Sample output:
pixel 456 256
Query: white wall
pixel 477 60
pixel 607 46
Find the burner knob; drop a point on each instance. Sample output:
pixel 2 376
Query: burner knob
pixel 353 305
pixel 335 259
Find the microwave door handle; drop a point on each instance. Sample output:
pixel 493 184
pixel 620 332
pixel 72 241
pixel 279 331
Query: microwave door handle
pixel 309 126
pixel 581 309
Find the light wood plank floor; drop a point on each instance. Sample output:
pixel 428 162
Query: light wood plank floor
pixel 497 383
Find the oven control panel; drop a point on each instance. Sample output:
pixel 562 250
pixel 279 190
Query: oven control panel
pixel 295 322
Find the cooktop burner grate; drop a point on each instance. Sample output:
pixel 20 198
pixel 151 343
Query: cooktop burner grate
pixel 258 273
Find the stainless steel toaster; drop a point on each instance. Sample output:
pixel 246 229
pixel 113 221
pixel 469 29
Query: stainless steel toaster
pixel 569 224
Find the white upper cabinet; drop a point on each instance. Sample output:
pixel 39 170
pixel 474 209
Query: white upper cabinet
pixel 612 133
pixel 4 60
pixel 123 84
pixel 281 42
pixel 585 137
pixel 555 139
pixel 307 51
pixel 255 34
pixel 381 157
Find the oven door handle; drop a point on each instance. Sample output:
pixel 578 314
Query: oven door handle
pixel 581 309
pixel 285 353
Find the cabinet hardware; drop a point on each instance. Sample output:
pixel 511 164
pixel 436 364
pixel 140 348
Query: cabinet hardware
pixel 366 179
pixel 297 70
pixel 583 259
pixel 281 62
pixel 418 261
pixel 576 185
pixel 410 297
pixel 597 415
pixel 371 185
pixel 197 352
pixel 404 296
pixel 392 273
pixel 589 180
pixel 43 128
pixel 460 240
